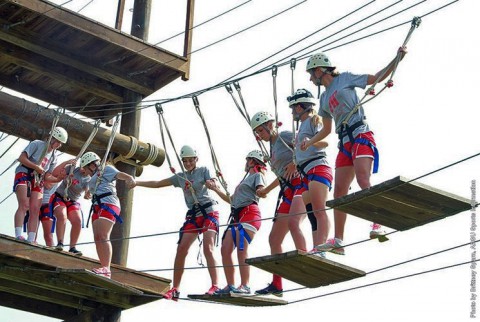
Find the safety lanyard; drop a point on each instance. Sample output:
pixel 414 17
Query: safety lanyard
pixel 215 162
pixel 163 123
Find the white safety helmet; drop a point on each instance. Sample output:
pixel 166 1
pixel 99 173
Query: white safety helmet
pixel 60 134
pixel 319 60
pixel 257 155
pixel 187 152
pixel 260 118
pixel 301 96
pixel 87 158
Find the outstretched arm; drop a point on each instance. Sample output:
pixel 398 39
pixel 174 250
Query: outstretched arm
pixel 213 186
pixel 129 180
pixel 154 184
pixel 263 191
pixel 382 74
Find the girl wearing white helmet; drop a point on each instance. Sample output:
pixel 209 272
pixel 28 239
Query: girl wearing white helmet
pixel 312 164
pixel 358 151
pixel 290 210
pixel 105 210
pixel 245 222
pixel 201 218
pixel 64 201
pixel 30 193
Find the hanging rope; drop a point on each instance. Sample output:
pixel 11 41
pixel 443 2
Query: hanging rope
pixel 293 64
pixel 371 90
pixel 163 123
pixel 215 162
pixel 56 118
pixel 79 155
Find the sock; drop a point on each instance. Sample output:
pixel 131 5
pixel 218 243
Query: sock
pixel 31 236
pixel 277 281
pixel 18 231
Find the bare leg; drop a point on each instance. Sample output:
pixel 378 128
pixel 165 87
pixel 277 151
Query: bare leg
pixel 182 252
pixel 75 218
pixel 343 178
pixel 208 251
pixel 242 255
pixel 227 259
pixel 60 213
pixel 23 205
pixel 102 229
pixel 318 195
pixel 297 215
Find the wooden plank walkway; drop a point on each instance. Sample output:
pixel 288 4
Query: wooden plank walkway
pixel 401 204
pixel 305 269
pixel 239 299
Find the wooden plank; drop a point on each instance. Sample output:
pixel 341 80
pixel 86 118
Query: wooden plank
pixel 305 269
pixel 401 204
pixel 239 299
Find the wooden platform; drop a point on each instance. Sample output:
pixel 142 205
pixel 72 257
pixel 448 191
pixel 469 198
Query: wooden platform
pixel 64 58
pixel 400 204
pixel 307 270
pixel 60 285
pixel 239 299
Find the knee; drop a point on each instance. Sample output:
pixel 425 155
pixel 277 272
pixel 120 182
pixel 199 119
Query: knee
pixel 363 180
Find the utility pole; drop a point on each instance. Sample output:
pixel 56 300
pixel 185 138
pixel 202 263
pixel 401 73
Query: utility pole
pixel 130 126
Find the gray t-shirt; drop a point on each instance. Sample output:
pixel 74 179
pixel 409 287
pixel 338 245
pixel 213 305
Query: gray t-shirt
pixel 245 192
pixel 339 99
pixel 107 184
pixel 34 151
pixel 79 184
pixel 308 130
pixel 197 178
pixel 281 154
pixel 47 193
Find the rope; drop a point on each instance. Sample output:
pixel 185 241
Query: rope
pixel 215 162
pixel 152 155
pixel 79 155
pixel 371 90
pixel 163 123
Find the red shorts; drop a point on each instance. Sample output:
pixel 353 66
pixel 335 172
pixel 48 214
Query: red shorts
pixel 357 151
pixel 19 182
pixel 104 213
pixel 45 212
pixel 288 194
pixel 71 205
pixel 319 173
pixel 250 218
pixel 202 224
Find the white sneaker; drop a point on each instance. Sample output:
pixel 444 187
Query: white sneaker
pixel 334 245
pixel 378 232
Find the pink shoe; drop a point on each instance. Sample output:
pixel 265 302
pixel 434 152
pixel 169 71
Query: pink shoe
pixel 378 232
pixel 102 271
pixel 20 238
pixel 173 295
pixel 212 290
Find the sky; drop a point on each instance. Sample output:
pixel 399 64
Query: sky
pixel 428 120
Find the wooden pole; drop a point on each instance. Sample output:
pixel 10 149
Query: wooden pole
pixel 120 11
pixel 187 45
pixel 130 126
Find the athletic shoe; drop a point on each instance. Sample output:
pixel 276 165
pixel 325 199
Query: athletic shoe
pixel 316 253
pixel 20 238
pixel 102 271
pixel 59 246
pixel 173 294
pixel 378 232
pixel 270 289
pixel 334 245
pixel 243 289
pixel 227 290
pixel 212 290
pixel 75 251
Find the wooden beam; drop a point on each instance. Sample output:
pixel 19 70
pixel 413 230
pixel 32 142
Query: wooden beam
pixel 239 299
pixel 120 11
pixel 36 306
pixel 187 45
pixel 14 108
pixel 71 77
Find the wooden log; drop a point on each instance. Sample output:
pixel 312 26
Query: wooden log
pixel 31 121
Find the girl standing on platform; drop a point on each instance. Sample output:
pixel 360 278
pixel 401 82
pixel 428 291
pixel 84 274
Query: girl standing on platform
pixel 312 164
pixel 29 191
pixel 357 149
pixel 106 210
pixel 201 218
pixel 245 222
pixel 290 211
